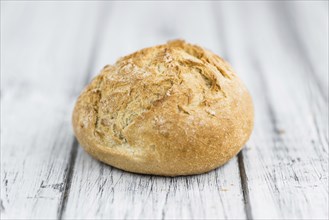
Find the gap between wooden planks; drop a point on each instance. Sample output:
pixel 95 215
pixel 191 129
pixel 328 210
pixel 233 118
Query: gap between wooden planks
pixel 286 159
pixel 42 66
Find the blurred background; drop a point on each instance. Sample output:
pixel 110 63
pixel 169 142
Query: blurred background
pixel 51 49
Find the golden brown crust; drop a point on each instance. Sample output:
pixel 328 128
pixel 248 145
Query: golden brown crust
pixel 173 109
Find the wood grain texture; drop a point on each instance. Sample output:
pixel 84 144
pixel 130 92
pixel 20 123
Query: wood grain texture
pixel 120 195
pixel 50 50
pixel 44 65
pixel 286 160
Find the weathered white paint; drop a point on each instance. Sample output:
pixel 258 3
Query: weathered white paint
pixel 286 160
pixel 310 22
pixel 46 60
pixel 45 52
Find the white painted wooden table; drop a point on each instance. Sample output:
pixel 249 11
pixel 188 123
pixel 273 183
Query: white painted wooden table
pixel 51 50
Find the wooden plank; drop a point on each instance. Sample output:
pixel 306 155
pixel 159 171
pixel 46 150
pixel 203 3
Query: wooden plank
pixel 45 55
pixel 286 160
pixel 99 191
pixel 308 26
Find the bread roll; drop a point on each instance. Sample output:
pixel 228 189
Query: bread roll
pixel 174 109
